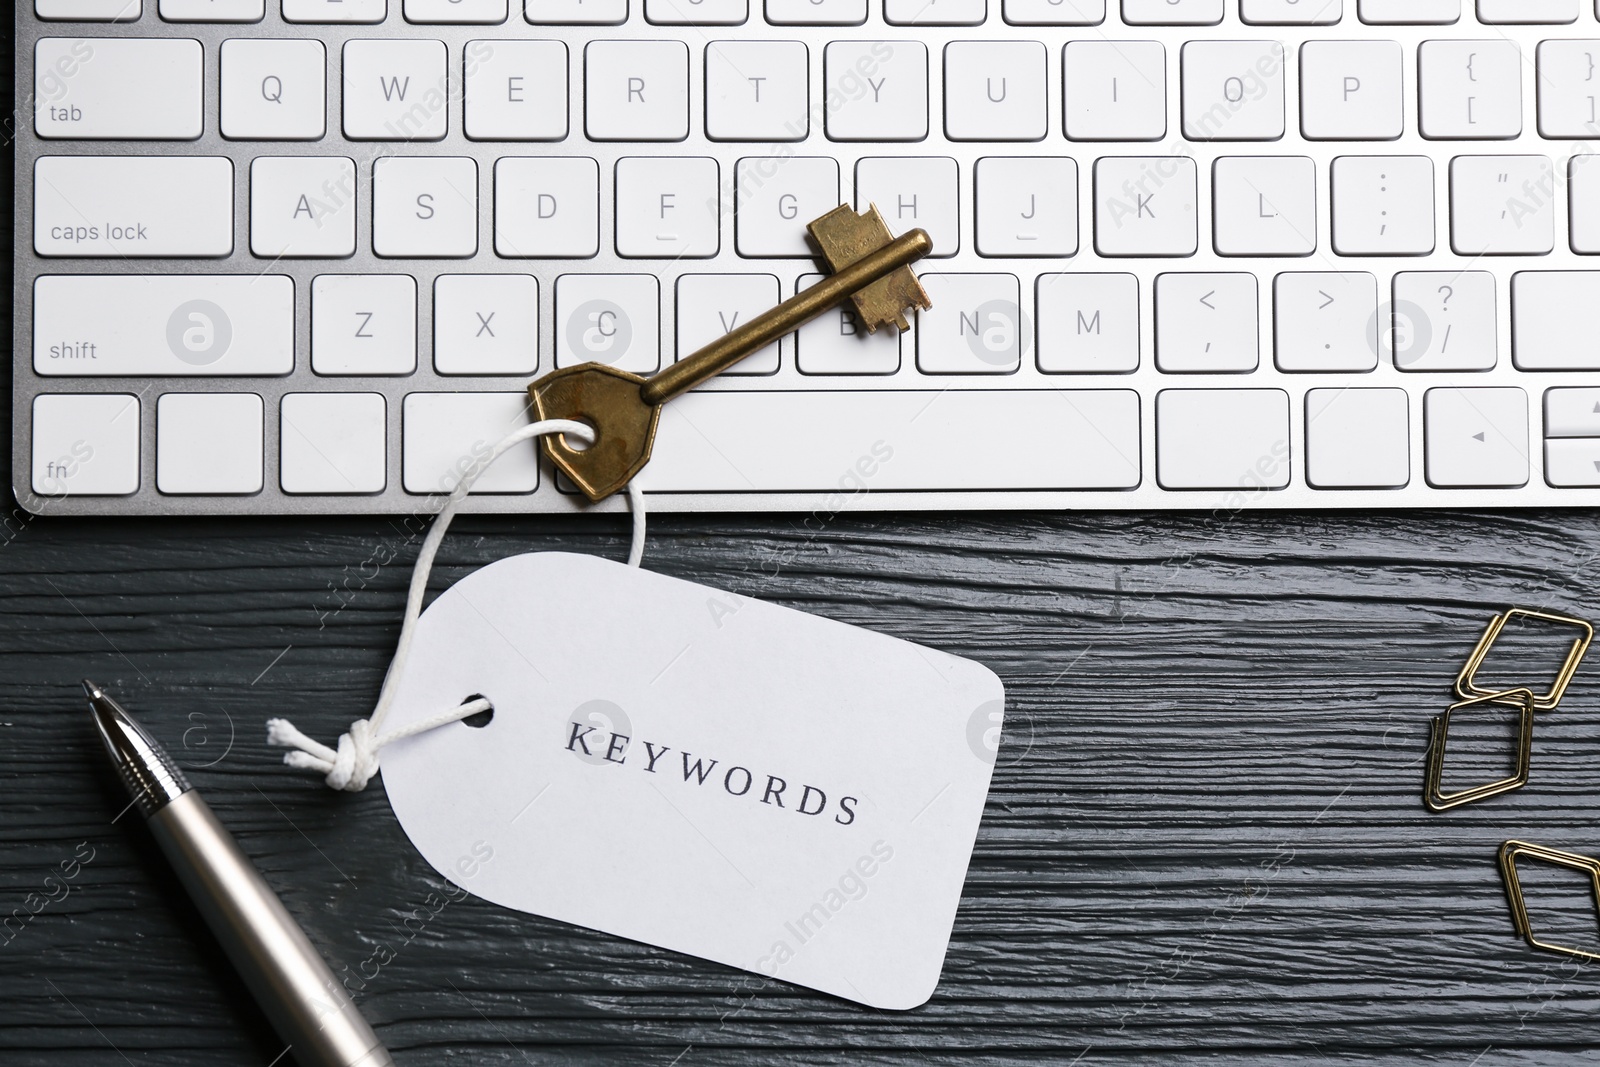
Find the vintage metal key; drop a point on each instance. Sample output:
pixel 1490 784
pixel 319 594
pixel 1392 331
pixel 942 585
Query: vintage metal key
pixel 870 269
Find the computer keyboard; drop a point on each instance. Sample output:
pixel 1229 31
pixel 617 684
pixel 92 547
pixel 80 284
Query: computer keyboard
pixel 304 256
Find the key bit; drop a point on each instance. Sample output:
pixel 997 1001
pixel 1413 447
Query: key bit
pixel 625 408
pixel 844 237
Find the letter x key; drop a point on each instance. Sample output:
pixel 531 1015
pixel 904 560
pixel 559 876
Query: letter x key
pixel 870 269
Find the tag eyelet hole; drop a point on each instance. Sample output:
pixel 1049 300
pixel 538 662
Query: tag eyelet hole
pixel 479 719
pixel 576 444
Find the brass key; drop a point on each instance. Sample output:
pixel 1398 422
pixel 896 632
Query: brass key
pixel 870 269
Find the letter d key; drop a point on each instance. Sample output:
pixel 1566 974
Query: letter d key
pixel 871 269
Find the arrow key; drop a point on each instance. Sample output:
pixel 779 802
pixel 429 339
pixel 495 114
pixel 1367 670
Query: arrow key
pixel 1476 438
pixel 1571 462
pixel 1572 413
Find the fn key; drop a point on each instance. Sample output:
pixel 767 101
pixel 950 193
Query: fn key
pixel 85 444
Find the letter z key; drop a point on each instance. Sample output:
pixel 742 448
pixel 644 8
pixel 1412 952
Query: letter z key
pixel 870 269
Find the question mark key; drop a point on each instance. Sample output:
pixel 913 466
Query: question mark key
pixel 1458 318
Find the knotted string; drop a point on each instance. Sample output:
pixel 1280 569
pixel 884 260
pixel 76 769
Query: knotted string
pixel 353 763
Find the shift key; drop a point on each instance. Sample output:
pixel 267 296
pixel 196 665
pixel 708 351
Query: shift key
pixel 172 324
pixel 133 206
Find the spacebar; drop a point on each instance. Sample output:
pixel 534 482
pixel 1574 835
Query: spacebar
pixel 892 440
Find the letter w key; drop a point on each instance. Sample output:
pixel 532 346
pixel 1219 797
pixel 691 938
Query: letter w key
pixel 871 270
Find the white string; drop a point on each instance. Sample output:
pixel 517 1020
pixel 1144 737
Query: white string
pixel 352 765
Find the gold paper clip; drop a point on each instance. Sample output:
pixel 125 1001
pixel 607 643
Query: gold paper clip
pixel 1519 907
pixel 1467 687
pixel 1433 794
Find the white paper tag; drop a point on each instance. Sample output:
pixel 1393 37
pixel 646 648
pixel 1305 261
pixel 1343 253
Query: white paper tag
pixel 699 771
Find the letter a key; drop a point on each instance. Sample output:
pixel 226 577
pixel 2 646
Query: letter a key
pixel 870 269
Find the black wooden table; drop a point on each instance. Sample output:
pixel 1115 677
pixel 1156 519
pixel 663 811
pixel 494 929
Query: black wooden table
pixel 1205 841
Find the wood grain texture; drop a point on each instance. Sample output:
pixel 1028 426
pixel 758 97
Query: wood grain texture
pixel 1205 841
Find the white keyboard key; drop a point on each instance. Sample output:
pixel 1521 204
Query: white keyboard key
pixel 636 90
pixel 609 318
pixel 1527 11
pixel 331 11
pixel 274 90
pixel 994 91
pixel 1552 320
pixel 89 10
pixel 667 207
pixel 516 91
pixel 209 443
pixel 302 206
pixel 816 12
pixel 974 327
pixel 1572 462
pixel 876 90
pixel 697 12
pixel 835 343
pixel 1444 321
pixel 1088 323
pixel 213 10
pixel 1222 439
pixel 1476 438
pixel 1583 203
pixel 1572 412
pixel 576 12
pixel 363 324
pixel 1145 206
pixel 1410 12
pixel 485 324
pixel 133 206
pixel 711 305
pixel 913 192
pixel 1326 321
pixel 395 90
pixel 1055 12
pixel 1470 89
pixel 1358 438
pixel 333 443
pixel 425 206
pixel 1172 12
pixel 1264 205
pixel 150 324
pixel 934 12
pixel 1569 86
pixel 85 444
pixel 1291 12
pixel 1502 205
pixel 546 207
pixel 1207 323
pixel 1233 90
pixel 117 88
pixel 1115 90
pixel 1383 205
pixel 1027 206
pixel 1352 90
pixel 456 11
pixel 445 434
pixel 756 91
pixel 776 196
pixel 852 442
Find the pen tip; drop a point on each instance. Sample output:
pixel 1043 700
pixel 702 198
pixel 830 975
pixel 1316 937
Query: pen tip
pixel 146 769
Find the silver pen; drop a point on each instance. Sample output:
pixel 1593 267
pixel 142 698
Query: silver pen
pixel 305 1002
